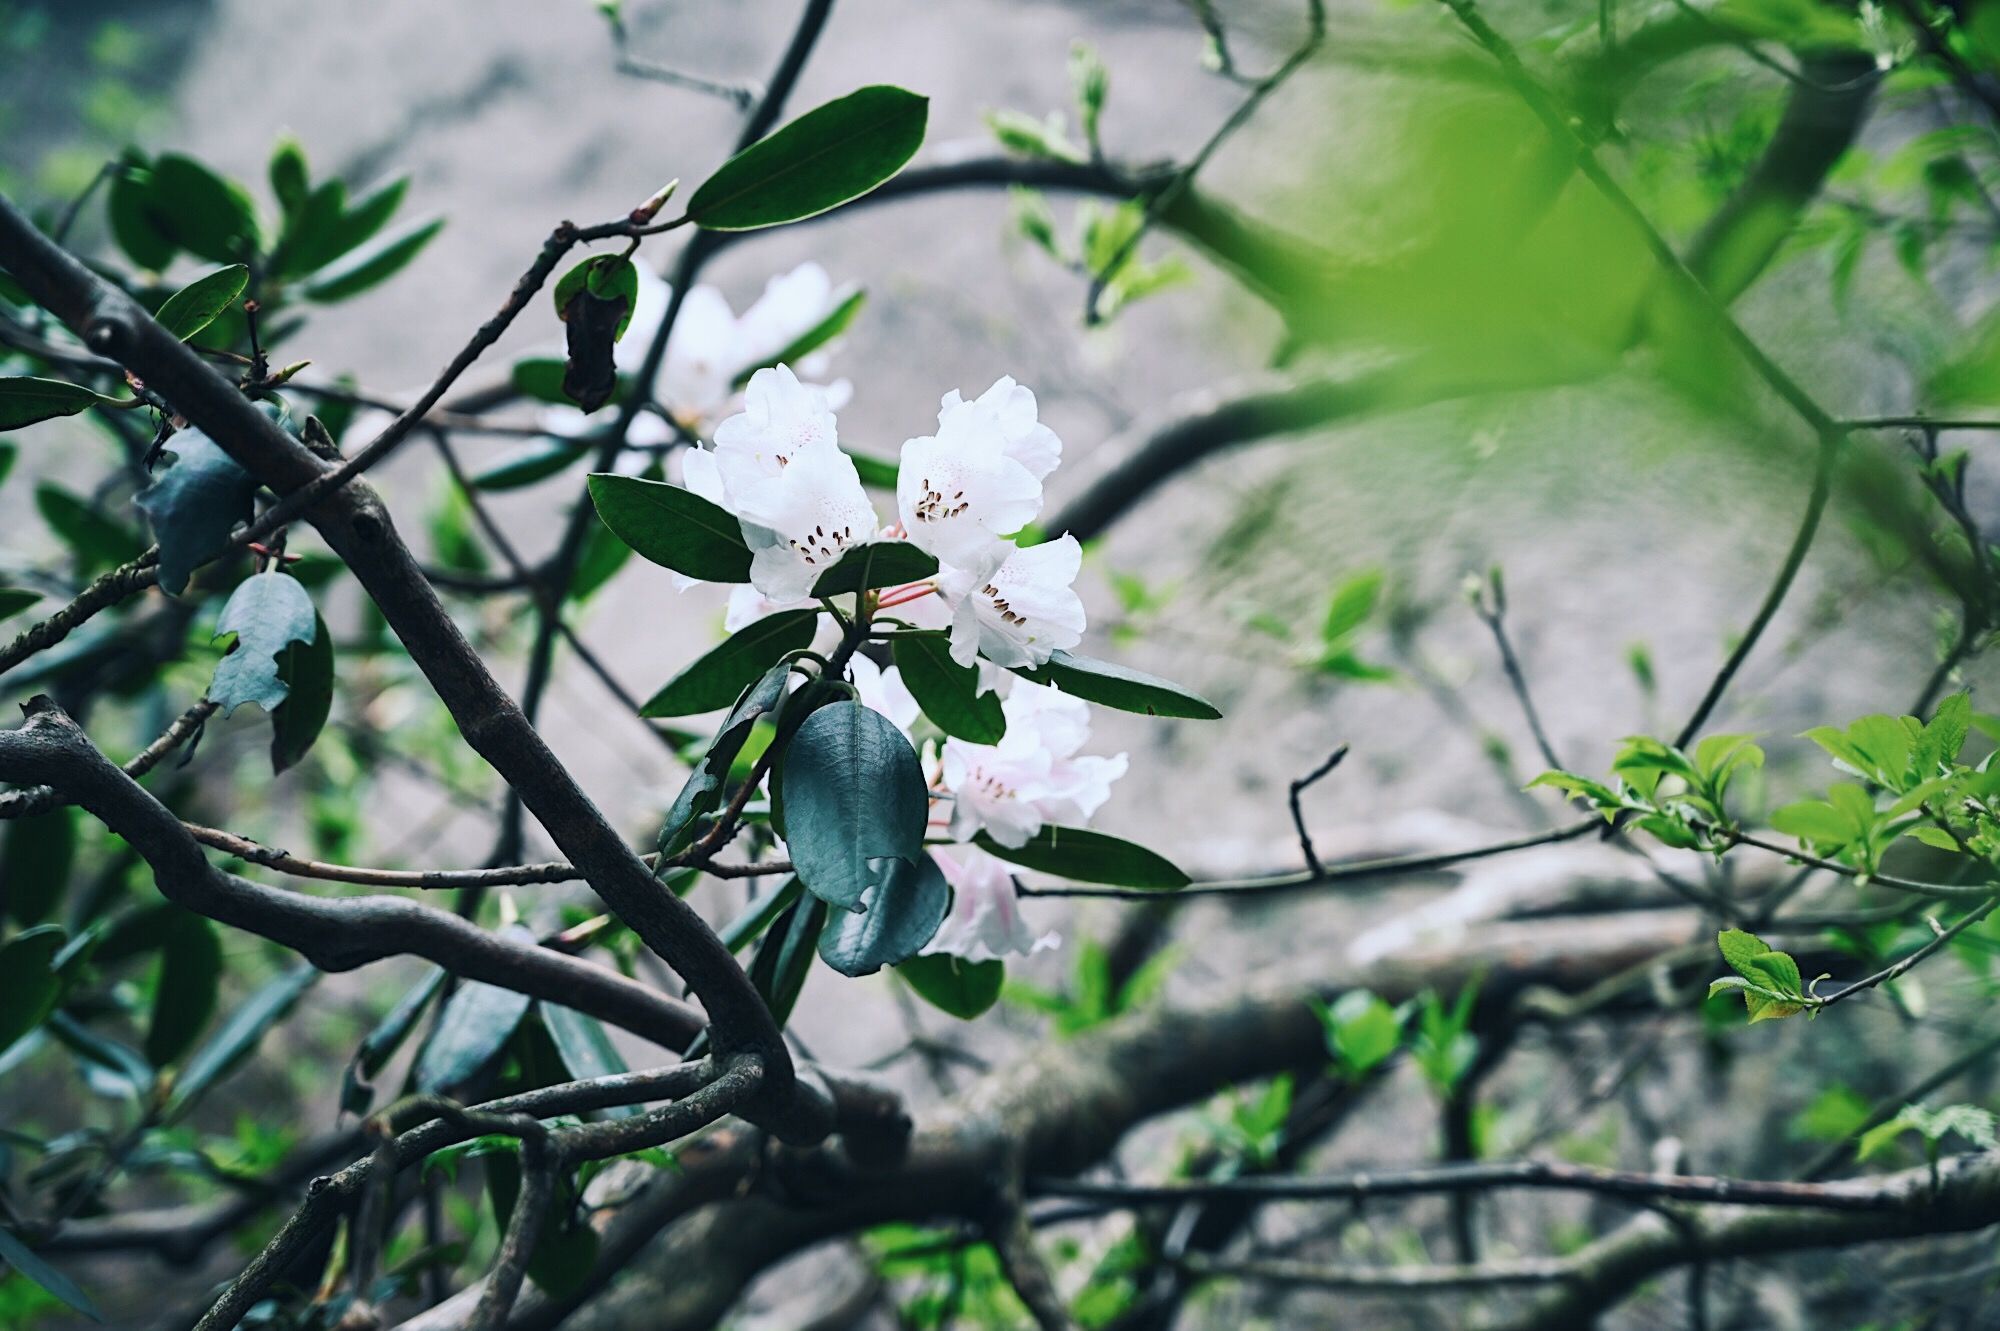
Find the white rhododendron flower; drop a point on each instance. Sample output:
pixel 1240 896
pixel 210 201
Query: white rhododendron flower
pixel 1033 776
pixel 778 467
pixel 1018 609
pixel 985 921
pixel 747 605
pixel 883 691
pixel 978 480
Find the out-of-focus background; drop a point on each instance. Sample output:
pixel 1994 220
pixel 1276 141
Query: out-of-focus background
pixel 1636 525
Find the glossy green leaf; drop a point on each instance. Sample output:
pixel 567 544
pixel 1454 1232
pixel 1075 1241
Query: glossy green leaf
pixel 27 401
pixel 1126 690
pixel 947 691
pixel 190 978
pixel 35 860
pixel 826 157
pixel 306 670
pixel 540 378
pixel 239 1035
pixel 875 564
pixel 29 984
pixel 900 912
pixel 854 793
pixel 833 325
pixel 198 496
pixel 19 1256
pixel 965 989
pixel 266 612
pixel 673 527
pixel 716 679
pixel 1090 857
pixel 291 182
pixel 196 305
pixel 372 266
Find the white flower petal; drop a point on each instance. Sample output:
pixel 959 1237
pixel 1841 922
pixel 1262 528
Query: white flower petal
pixel 985 919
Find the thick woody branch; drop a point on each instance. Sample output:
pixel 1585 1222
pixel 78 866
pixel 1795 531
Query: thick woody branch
pixel 333 933
pixel 354 522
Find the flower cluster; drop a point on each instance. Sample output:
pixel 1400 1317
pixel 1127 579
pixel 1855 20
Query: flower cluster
pixel 961 494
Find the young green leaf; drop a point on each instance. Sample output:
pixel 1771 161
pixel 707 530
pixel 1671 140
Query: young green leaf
pixel 372 266
pixel 854 793
pixel 673 527
pixel 266 612
pixel 962 988
pixel 947 691
pixel 717 678
pixel 196 305
pixel 821 333
pixel 1090 857
pixel 27 401
pixel 826 157
pixel 199 211
pixel 1116 686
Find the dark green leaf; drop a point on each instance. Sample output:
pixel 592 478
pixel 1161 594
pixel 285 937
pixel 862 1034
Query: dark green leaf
pixel 13 600
pixel 196 305
pixel 29 985
pixel 306 671
pixel 778 970
pixel 821 333
pixel 17 1255
pixel 265 612
pixel 719 677
pixel 854 793
pixel 132 225
pixel 530 463
pixel 1116 686
pixel 540 378
pixel 190 977
pixel 876 564
pixel 193 504
pixel 290 181
pixel 376 264
pixel 12 292
pixel 471 1031
pixel 311 232
pixel 361 223
pixel 603 555
pixel 758 915
pixel 703 789
pixel 35 863
pixel 1089 857
pixel 382 1042
pixel 947 691
pixel 25 401
pixel 112 1069
pixel 240 1033
pixel 951 984
pixel 199 211
pixel 827 156
pixel 98 541
pixel 878 472
pixel 674 528
pixel 583 1045
pixel 900 912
